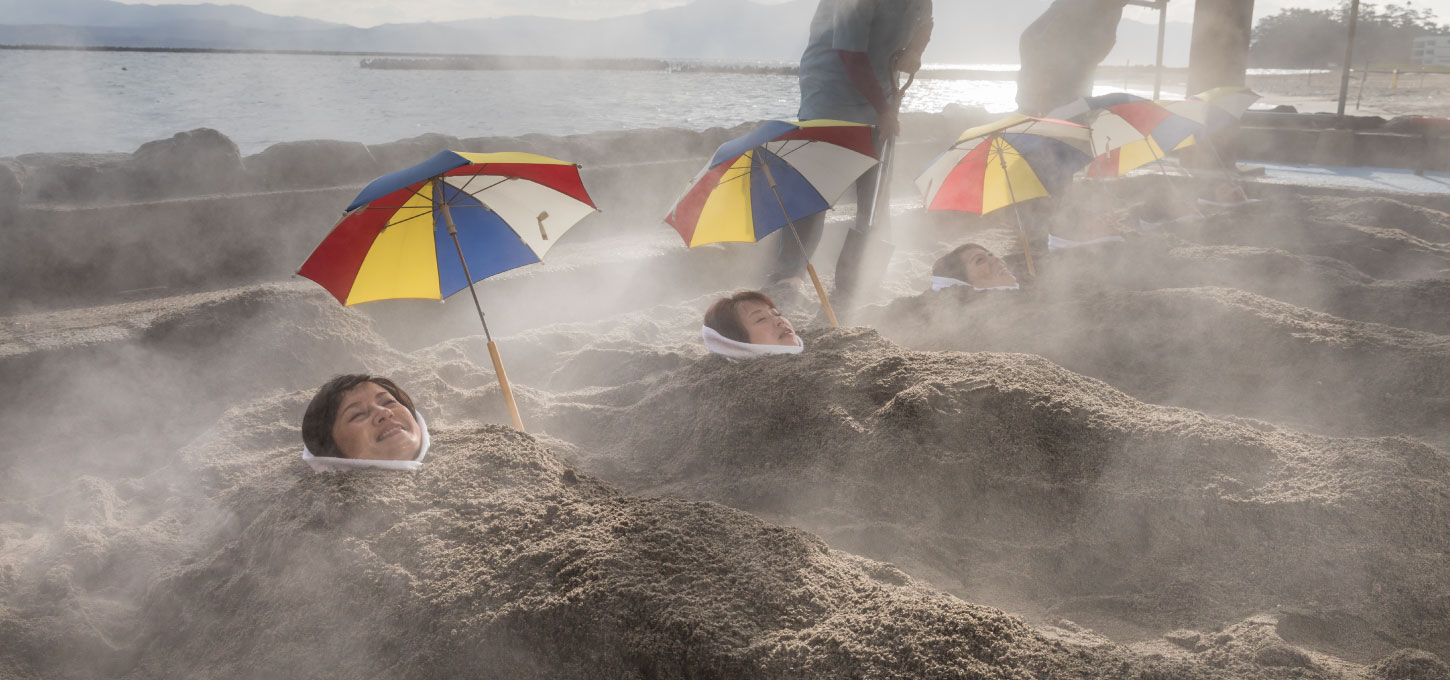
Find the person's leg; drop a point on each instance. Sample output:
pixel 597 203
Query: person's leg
pixel 790 260
pixel 850 266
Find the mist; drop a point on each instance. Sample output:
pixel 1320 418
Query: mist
pixel 1215 449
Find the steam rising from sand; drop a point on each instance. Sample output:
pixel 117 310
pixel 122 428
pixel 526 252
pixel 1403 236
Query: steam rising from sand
pixel 152 477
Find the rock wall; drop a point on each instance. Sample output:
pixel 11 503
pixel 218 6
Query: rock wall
pixel 95 228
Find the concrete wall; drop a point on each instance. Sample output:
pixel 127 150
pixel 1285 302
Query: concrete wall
pixel 1324 139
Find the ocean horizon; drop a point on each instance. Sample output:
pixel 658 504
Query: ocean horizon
pixel 115 101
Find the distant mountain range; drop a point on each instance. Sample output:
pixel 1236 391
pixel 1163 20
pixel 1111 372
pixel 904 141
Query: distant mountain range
pixel 967 31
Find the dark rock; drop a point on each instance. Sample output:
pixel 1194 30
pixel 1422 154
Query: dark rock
pixel 312 164
pixel 200 161
pixel 71 178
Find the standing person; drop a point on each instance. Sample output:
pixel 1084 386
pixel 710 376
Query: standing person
pixel 847 74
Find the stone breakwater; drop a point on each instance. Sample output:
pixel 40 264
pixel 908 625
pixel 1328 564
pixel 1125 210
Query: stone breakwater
pixel 191 212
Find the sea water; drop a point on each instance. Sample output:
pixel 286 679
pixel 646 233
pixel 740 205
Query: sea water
pixel 104 101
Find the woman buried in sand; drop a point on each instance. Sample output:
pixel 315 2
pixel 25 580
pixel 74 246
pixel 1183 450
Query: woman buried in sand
pixel 357 421
pixel 973 266
pixel 747 325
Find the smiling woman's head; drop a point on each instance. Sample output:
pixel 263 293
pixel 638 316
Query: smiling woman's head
pixel 750 317
pixel 363 417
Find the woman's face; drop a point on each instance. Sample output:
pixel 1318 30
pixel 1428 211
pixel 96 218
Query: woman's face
pixel 372 425
pixel 985 270
pixel 764 324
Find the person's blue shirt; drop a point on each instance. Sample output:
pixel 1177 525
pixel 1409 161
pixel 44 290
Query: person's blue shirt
pixel 877 28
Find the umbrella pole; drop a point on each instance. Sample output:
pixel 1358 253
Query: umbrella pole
pixel 1012 196
pixel 810 268
pixel 503 379
pixel 1163 168
pixel 1229 171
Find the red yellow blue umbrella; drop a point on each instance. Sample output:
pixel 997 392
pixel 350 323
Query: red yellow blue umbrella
pixel 1142 128
pixel 1215 110
pixel 763 181
pixel 1015 159
pixel 433 229
pixel 1231 101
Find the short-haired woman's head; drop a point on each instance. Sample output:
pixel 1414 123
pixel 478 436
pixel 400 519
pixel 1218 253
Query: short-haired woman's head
pixel 975 265
pixel 364 417
pixel 750 317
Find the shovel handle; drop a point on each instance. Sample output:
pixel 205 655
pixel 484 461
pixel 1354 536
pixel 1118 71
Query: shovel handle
pixel 503 384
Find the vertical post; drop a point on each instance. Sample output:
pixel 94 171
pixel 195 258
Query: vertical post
pixel 1162 35
pixel 1348 55
pixel 1219 54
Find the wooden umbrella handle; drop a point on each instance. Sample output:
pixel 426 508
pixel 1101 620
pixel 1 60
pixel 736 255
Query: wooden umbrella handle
pixel 821 291
pixel 503 384
pixel 1027 250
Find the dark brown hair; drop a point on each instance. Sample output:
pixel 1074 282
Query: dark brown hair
pixel 723 317
pixel 952 266
pixel 321 413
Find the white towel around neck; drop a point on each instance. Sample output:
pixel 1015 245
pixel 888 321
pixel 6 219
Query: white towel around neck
pixel 338 464
pixel 738 351
pixel 1059 243
pixel 940 282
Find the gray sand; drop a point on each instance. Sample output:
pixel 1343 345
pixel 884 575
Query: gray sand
pixel 1209 453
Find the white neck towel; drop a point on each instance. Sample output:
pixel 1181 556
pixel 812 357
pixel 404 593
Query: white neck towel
pixel 1059 243
pixel 738 351
pixel 940 282
pixel 337 464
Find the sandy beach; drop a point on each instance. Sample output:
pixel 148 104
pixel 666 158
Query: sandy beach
pixel 1215 450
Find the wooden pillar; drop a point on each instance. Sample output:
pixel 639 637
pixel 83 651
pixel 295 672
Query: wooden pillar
pixel 1219 55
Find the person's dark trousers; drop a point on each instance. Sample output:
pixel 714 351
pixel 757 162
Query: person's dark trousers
pixel 792 262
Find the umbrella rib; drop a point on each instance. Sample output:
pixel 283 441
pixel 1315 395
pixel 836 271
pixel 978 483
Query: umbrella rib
pixel 424 212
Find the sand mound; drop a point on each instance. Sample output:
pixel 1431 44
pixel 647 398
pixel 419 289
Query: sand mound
pixel 1004 476
pixel 497 560
pixel 1422 222
pixel 1381 250
pixel 1323 284
pixel 142 379
pixel 1211 349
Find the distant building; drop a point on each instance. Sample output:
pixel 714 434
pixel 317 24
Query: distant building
pixel 1431 50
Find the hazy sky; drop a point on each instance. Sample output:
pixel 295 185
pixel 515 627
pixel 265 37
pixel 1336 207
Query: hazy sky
pixel 372 12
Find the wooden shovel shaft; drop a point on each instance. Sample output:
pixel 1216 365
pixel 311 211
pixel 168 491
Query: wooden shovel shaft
pixel 503 384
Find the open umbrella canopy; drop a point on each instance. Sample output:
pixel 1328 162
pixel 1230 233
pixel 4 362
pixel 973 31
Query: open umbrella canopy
pixel 1015 159
pixel 1233 101
pixel 508 208
pixel 812 162
pixel 1118 119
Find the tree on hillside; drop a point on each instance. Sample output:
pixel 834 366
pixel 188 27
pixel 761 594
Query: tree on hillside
pixel 1304 38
